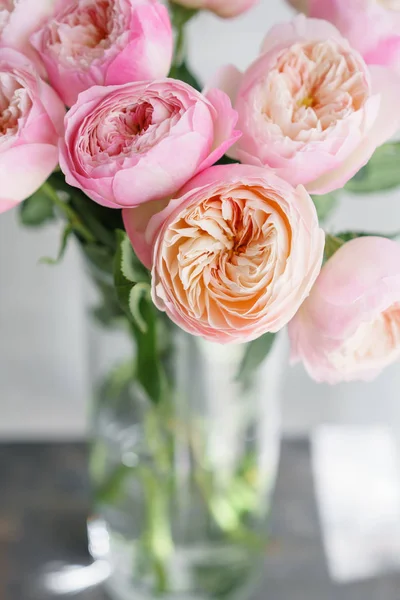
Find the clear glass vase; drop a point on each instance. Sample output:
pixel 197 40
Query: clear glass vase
pixel 182 487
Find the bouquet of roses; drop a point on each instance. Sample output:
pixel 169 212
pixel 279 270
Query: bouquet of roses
pixel 205 205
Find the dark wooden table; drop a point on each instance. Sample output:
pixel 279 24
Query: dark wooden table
pixel 44 503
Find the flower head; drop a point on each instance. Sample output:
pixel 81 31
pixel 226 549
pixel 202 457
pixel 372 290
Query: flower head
pixel 234 255
pixel 103 42
pixel 310 107
pixel 129 144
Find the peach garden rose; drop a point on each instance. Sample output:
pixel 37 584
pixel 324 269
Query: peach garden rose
pixel 309 106
pixel 349 326
pixel 31 123
pixel 233 256
pixel 103 42
pixel 133 143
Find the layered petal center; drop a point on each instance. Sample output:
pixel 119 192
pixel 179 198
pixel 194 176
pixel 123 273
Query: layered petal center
pixel 15 104
pixel 84 32
pixel 311 87
pixel 221 256
pixel 131 126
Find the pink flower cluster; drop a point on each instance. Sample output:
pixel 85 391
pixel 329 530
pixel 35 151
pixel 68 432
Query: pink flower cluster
pixel 236 250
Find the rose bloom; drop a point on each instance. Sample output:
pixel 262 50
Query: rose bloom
pixel 19 19
pixel 349 326
pixel 102 42
pixel 233 256
pixel 223 8
pixel 129 144
pixel 31 122
pixel 371 26
pixel 310 107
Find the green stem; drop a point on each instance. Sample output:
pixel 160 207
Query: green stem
pixel 69 213
pixel 157 536
pixel 180 16
pixel 180 47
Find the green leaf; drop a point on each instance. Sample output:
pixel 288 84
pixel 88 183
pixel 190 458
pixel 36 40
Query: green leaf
pixel 129 274
pixel 325 205
pixel 63 246
pixel 37 210
pixel 183 73
pixel 128 271
pixel 139 291
pixel 254 355
pixel 382 172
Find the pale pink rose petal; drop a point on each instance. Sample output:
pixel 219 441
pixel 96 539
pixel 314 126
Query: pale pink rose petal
pixel 349 326
pixel 371 26
pixel 225 121
pixel 223 8
pixel 136 221
pixel 299 29
pixel 227 79
pixel 7 204
pixel 386 52
pixel 24 168
pixel 149 53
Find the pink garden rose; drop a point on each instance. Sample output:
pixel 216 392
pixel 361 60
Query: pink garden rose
pixel 371 26
pixel 31 122
pixel 19 19
pixel 310 107
pixel 349 327
pixel 129 144
pixel 223 8
pixel 103 42
pixel 233 255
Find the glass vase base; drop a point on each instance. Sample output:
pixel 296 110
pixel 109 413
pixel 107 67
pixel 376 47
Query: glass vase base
pixel 190 572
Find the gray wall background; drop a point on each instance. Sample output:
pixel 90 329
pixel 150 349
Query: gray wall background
pixel 44 357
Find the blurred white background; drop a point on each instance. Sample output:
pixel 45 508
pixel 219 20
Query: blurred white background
pixel 44 381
